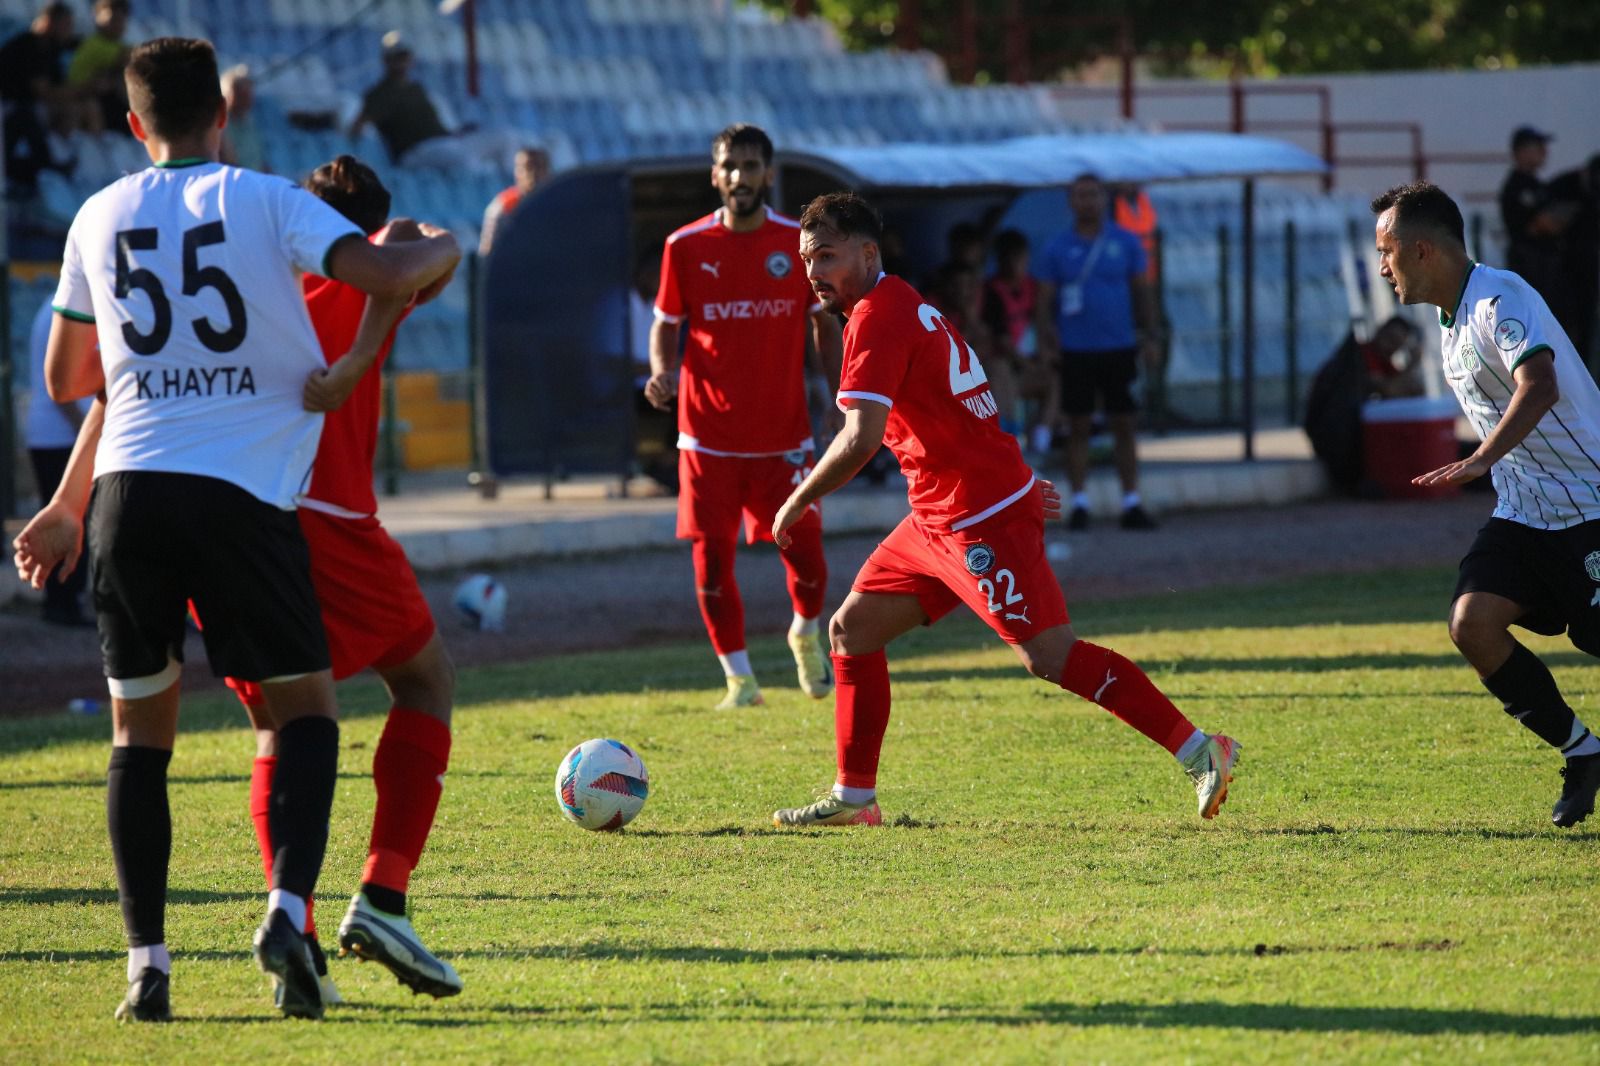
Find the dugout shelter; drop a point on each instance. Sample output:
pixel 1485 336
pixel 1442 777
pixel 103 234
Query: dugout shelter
pixel 558 373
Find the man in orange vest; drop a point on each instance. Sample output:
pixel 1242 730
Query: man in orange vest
pixel 1132 210
pixel 532 165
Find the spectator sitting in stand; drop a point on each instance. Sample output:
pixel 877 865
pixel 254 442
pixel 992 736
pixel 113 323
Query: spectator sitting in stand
pixel 241 139
pixel 531 168
pixel 1386 379
pixel 95 73
pixel 1010 302
pixel 408 121
pixel 33 94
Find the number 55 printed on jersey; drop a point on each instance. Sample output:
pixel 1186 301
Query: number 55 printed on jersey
pixel 195 278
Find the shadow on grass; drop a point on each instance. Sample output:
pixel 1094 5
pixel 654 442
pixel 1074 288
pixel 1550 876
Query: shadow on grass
pixel 243 778
pixel 85 897
pixel 1465 832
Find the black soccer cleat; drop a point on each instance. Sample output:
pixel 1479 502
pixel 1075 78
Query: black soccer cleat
pixel 1582 778
pixel 149 998
pixel 1078 519
pixel 283 952
pixel 1137 517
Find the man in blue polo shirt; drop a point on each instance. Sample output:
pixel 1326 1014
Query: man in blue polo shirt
pixel 1092 293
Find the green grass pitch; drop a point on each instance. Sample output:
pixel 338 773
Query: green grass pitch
pixel 1383 884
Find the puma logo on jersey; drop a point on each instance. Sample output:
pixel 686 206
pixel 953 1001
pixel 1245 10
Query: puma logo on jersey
pixel 1110 680
pixel 712 268
pixel 723 310
pixel 234 381
pixel 1594 601
pixel 1023 617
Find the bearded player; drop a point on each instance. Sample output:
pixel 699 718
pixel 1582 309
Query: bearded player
pixel 372 608
pixel 975 534
pixel 744 438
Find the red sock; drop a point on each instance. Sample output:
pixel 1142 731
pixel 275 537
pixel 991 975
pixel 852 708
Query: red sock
pixel 261 772
pixel 408 770
pixel 718 594
pixel 806 567
pixel 1102 676
pixel 860 715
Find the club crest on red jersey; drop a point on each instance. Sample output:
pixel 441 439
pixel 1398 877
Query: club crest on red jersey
pixel 980 559
pixel 779 264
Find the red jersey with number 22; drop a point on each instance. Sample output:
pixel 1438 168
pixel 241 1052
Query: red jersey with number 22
pixel 960 466
pixel 342 474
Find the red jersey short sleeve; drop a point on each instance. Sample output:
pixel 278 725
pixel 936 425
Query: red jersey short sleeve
pixel 746 303
pixel 960 466
pixel 342 473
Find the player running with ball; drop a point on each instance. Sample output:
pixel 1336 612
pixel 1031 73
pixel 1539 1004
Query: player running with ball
pixel 975 534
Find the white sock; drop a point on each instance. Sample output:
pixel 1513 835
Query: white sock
pixel 290 904
pixel 803 627
pixel 1080 499
pixel 1130 499
pixel 150 955
pixel 1191 747
pixel 856 797
pixel 736 663
pixel 1581 742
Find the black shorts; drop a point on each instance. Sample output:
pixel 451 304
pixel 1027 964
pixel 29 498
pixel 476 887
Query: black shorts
pixel 1554 573
pixel 1107 375
pixel 158 540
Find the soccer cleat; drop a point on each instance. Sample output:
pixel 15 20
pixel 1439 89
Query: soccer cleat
pixel 812 665
pixel 829 810
pixel 1211 769
pixel 369 933
pixel 319 963
pixel 1078 520
pixel 149 998
pixel 1137 517
pixel 742 692
pixel 1582 778
pixel 283 952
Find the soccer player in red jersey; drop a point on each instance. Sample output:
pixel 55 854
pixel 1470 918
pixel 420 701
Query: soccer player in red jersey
pixel 744 437
pixel 975 534
pixel 372 608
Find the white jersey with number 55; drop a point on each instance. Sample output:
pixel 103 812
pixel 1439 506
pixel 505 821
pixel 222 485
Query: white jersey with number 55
pixel 187 271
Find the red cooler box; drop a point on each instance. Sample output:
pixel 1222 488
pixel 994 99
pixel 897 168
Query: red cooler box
pixel 1403 438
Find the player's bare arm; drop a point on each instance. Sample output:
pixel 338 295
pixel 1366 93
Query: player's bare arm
pixel 55 535
pixel 828 337
pixel 1536 393
pixel 859 441
pixel 662 387
pixel 72 367
pixel 327 388
pixel 398 269
pixel 1044 317
pixel 1149 323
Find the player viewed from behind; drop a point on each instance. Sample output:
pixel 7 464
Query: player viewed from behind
pixel 975 534
pixel 744 438
pixel 1536 563
pixel 185 275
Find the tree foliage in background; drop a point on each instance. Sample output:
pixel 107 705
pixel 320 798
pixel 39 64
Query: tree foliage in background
pixel 1262 38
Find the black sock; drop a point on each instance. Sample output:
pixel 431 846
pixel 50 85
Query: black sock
pixel 302 797
pixel 141 839
pixel 1530 696
pixel 385 899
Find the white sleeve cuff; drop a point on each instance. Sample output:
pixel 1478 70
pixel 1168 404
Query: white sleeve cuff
pixel 662 316
pixel 875 397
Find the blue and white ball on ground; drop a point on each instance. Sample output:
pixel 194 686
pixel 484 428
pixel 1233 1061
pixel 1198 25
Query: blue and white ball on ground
pixel 481 601
pixel 602 784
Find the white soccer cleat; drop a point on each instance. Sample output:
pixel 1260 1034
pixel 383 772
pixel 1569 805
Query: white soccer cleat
pixel 742 692
pixel 812 665
pixel 369 933
pixel 829 810
pixel 1211 769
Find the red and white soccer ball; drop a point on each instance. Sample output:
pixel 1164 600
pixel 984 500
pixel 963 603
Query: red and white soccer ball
pixel 481 602
pixel 602 784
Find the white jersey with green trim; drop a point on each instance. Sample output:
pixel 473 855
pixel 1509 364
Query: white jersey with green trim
pixel 1551 479
pixel 187 270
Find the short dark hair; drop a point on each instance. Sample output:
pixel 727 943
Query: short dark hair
pixel 963 233
pixel 843 212
pixel 1009 243
pixel 173 86
pixel 1422 203
pixel 354 190
pixel 743 135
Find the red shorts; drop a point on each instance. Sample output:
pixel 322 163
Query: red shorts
pixel 716 490
pixel 372 607
pixel 997 567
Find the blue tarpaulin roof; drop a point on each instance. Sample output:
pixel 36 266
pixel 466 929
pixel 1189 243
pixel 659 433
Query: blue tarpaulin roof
pixel 1032 162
